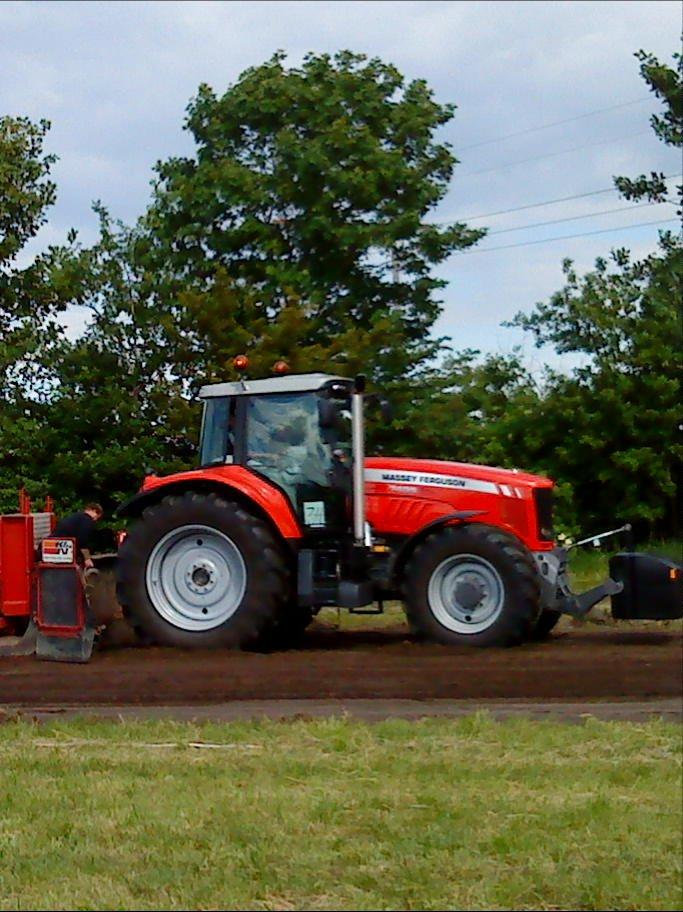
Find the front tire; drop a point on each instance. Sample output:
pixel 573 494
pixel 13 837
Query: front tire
pixel 471 585
pixel 547 621
pixel 197 570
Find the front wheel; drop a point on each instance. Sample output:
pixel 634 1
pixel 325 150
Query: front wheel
pixel 471 585
pixel 547 621
pixel 200 571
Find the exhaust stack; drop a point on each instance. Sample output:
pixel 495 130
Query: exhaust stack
pixel 358 446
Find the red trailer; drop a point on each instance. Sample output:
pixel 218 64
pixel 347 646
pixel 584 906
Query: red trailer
pixel 20 536
pixel 42 604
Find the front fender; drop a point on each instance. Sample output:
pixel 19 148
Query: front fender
pixel 407 546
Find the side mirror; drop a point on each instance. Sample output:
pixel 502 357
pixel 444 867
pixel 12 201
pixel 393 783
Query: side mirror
pixel 328 414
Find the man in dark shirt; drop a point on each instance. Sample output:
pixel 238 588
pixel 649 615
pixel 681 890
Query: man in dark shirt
pixel 81 526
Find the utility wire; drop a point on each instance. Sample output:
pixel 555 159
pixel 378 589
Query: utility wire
pixel 574 218
pixel 565 237
pixel 547 126
pixel 559 199
pixel 523 161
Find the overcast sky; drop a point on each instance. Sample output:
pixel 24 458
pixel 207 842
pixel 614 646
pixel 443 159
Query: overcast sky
pixel 115 78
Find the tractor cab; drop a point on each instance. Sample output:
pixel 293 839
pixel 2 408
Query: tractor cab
pixel 293 431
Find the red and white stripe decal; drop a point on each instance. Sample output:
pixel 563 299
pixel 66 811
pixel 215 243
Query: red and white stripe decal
pixel 509 491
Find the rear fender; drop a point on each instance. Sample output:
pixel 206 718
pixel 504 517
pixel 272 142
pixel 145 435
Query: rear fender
pixel 262 499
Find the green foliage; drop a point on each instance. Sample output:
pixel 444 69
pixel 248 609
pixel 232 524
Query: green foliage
pixel 613 425
pixel 309 184
pixel 667 84
pixel 614 428
pixel 32 299
pixel 25 188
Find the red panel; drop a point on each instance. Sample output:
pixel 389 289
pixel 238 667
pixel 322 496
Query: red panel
pixel 16 564
pixel 271 500
pixel 404 495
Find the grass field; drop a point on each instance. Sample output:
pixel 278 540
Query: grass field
pixel 334 814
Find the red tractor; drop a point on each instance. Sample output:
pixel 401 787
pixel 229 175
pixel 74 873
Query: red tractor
pixel 285 515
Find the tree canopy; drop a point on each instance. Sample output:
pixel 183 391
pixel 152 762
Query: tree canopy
pixel 311 184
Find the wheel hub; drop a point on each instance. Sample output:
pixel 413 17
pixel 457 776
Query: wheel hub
pixel 196 577
pixel 469 592
pixel 466 593
pixel 201 576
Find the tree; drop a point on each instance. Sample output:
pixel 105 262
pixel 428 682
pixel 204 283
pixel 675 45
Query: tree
pixel 310 184
pixel 32 298
pixel 667 84
pixel 614 425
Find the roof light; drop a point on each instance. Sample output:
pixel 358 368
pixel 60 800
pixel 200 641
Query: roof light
pixel 240 363
pixel 281 367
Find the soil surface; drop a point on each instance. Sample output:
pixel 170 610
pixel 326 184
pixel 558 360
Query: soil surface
pixel 595 663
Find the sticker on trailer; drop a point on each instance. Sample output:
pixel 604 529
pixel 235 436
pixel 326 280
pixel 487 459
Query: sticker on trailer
pixel 314 513
pixel 430 480
pixel 58 551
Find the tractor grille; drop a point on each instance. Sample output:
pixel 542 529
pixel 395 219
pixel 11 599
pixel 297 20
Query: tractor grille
pixel 543 498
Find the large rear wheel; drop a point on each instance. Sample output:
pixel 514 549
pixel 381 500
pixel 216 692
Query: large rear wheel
pixel 197 570
pixel 471 585
pixel 287 632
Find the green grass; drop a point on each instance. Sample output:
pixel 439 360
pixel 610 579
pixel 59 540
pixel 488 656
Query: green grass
pixel 334 814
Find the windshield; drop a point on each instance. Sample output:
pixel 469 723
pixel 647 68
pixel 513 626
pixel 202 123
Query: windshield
pixel 286 443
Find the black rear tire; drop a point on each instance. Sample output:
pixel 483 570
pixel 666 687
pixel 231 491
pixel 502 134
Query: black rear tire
pixel 287 632
pixel 266 579
pixel 513 574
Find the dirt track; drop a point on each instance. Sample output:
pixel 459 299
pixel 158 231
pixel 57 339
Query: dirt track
pixel 581 664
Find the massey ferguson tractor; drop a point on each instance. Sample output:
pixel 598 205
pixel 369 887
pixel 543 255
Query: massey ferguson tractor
pixel 284 515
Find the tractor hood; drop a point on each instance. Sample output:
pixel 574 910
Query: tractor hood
pixel 399 470
pixel 405 496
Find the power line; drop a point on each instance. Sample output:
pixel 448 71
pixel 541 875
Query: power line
pixel 559 199
pixel 523 161
pixel 574 218
pixel 547 126
pixel 565 237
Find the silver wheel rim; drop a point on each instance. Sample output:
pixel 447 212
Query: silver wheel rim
pixel 196 578
pixel 466 594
